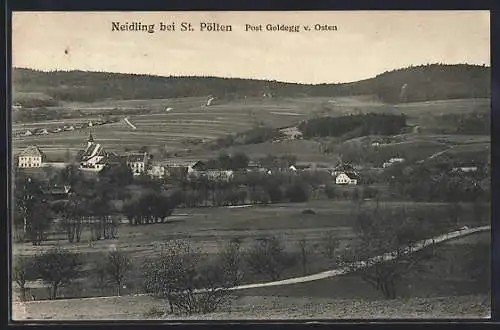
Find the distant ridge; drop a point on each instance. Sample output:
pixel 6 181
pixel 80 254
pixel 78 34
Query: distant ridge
pixel 415 83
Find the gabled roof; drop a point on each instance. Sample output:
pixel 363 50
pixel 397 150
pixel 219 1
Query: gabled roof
pixel 111 157
pixel 139 157
pixel 351 175
pixel 32 151
pixel 92 150
pixel 198 165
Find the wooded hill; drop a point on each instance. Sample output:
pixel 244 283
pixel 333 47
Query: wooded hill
pixel 416 83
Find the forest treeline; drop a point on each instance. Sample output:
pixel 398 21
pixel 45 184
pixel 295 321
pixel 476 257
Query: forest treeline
pixel 415 83
pixel 354 125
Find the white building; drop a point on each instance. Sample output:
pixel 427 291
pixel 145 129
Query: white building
pixel 31 157
pixel 345 178
pixel 158 171
pixel 465 169
pixel 393 161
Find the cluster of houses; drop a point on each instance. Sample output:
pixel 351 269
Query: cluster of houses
pixel 95 158
pixel 65 128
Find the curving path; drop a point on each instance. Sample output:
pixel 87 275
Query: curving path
pixel 359 265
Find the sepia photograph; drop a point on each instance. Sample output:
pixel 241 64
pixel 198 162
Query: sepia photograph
pixel 293 165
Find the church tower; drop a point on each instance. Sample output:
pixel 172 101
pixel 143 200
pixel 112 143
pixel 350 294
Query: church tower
pixel 90 140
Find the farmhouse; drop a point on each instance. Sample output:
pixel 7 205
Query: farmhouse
pixel 346 178
pixel 31 157
pixel 465 167
pixel 158 171
pixel 178 169
pixel 93 158
pixel 253 166
pixel 138 163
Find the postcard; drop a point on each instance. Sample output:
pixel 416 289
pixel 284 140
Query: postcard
pixel 314 165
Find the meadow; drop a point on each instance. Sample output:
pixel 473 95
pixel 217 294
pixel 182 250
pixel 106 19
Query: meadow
pixel 443 292
pixel 209 229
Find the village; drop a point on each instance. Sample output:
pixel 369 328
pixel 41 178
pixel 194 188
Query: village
pixel 95 158
pixel 293 179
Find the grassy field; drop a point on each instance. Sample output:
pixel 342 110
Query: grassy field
pixel 208 229
pixel 213 226
pixel 190 120
pixel 264 308
pixel 442 292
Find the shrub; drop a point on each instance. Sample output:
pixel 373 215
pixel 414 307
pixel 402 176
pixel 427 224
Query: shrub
pixel 297 194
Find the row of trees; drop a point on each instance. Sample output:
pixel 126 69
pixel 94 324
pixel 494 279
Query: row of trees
pixel 254 188
pixel 427 182
pixel 238 161
pixel 88 202
pixel 59 267
pixel 151 207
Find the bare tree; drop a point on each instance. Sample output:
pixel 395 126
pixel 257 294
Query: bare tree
pixel 117 266
pixel 268 257
pixel 230 261
pixel 393 235
pixel 189 287
pixel 57 267
pixel 72 212
pixel 330 244
pixel 304 253
pixel 100 275
pixel 19 275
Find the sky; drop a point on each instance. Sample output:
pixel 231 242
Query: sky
pixel 366 43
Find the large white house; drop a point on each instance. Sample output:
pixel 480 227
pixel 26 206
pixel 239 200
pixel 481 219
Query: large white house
pixel 31 157
pixel 94 158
